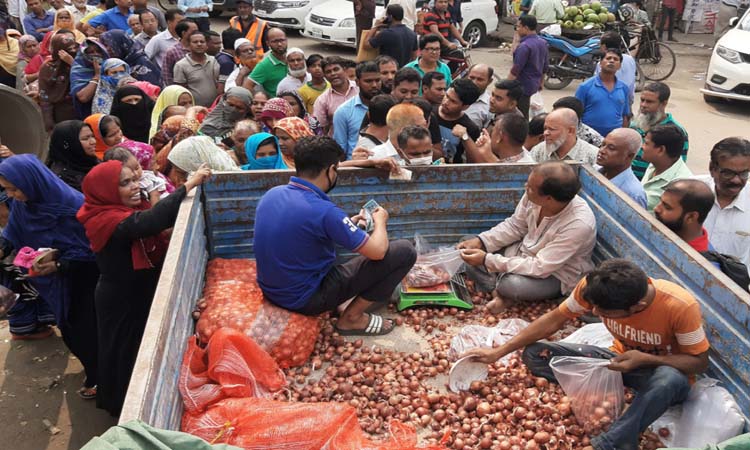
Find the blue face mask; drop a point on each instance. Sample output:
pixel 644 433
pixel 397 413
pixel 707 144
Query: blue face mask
pixel 114 79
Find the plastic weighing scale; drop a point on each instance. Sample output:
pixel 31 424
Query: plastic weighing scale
pixel 452 294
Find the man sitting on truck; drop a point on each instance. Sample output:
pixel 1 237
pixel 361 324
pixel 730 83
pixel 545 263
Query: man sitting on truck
pixel 659 342
pixel 296 229
pixel 683 207
pixel 543 249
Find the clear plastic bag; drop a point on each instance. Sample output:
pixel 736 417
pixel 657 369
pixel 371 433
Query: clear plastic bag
pixel 592 334
pixel 710 415
pixel 477 336
pixel 597 393
pixel 433 266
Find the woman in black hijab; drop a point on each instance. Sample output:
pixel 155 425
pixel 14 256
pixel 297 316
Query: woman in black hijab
pixel 72 152
pixel 133 107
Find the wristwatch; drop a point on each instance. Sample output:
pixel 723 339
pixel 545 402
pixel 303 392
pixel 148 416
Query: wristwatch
pixel 465 137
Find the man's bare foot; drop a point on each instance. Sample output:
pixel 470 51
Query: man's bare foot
pixel 496 305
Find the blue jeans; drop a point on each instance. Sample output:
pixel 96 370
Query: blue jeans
pixel 656 390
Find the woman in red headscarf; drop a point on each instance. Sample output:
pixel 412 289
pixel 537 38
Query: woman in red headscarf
pixel 126 235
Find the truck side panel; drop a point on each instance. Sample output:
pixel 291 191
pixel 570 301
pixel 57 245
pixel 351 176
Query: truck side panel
pixel 443 204
pixel 153 394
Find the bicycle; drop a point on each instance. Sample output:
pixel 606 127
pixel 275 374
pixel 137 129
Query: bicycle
pixel 655 59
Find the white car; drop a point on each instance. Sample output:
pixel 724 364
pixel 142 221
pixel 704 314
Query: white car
pixel 333 21
pixel 728 73
pixel 285 13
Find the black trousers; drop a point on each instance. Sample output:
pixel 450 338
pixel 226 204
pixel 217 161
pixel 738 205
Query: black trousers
pixel 203 23
pixel 523 104
pixel 667 13
pixel 373 280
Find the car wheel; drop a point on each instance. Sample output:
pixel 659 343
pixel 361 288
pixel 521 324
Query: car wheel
pixel 475 33
pixel 711 99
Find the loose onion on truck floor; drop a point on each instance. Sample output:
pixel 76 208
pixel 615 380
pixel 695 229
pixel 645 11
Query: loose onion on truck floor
pixel 403 376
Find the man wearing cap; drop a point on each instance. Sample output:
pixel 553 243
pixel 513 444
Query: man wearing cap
pixel 254 29
pixel 248 59
pixel 272 69
pixel 297 71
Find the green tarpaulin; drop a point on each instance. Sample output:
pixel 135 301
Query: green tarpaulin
pixel 741 442
pixel 136 435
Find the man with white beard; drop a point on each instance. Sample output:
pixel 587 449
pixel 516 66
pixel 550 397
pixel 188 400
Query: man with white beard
pixel 561 140
pixel 297 71
pixel 654 99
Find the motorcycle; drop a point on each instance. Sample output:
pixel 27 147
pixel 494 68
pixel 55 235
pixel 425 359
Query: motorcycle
pixel 570 59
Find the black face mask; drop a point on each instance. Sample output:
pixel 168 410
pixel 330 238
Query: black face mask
pixel 332 184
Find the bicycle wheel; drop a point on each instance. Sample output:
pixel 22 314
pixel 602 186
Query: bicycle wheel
pixel 657 61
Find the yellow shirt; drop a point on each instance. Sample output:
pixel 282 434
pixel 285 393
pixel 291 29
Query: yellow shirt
pixel 309 94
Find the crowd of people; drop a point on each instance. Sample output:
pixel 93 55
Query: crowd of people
pixel 142 105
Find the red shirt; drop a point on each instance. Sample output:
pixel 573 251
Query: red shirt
pixel 700 243
pixel 434 18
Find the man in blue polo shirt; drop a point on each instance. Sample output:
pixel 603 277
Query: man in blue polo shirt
pixel 347 120
pixel 296 230
pixel 605 99
pixel 114 18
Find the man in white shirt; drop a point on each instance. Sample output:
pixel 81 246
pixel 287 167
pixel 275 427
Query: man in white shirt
pixel 546 12
pixel 543 249
pixel 410 11
pixel 158 45
pixel 398 118
pixel 479 111
pixel 561 139
pixel 728 223
pixel 505 144
pixel 296 70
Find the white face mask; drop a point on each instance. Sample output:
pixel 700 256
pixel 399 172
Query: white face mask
pixel 423 161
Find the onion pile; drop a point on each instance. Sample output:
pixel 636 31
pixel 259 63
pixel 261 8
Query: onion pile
pixel 511 410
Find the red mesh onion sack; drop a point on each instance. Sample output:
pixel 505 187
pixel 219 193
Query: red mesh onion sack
pixel 234 300
pixel 232 365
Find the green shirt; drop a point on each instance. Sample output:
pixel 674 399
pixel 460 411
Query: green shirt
pixel 441 67
pixel 639 165
pixel 269 73
pixel 654 184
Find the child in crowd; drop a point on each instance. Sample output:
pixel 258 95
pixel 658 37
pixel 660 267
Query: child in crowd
pixel 137 158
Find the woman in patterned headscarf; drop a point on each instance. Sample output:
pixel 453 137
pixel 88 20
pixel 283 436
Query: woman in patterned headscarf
pixel 274 110
pixel 289 130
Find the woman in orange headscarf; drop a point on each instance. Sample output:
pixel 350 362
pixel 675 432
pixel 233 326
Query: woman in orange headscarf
pixel 63 21
pixel 107 132
pixel 289 130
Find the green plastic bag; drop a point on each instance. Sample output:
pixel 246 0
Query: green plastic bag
pixel 741 442
pixel 136 435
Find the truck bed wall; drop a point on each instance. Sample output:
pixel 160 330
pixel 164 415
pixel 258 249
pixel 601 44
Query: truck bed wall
pixel 443 204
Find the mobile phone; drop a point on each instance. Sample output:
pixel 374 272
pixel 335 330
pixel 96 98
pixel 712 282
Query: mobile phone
pixel 368 208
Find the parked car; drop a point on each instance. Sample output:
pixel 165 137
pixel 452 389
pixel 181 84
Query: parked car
pixel 333 20
pixel 728 74
pixel 285 13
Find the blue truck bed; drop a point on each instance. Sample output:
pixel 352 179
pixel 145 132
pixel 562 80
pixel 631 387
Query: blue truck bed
pixel 442 203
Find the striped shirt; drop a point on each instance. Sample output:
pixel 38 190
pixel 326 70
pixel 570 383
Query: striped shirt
pixel 443 22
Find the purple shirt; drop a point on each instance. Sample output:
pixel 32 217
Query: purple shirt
pixel 530 63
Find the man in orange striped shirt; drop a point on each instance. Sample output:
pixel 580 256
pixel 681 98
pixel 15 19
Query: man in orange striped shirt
pixel 659 342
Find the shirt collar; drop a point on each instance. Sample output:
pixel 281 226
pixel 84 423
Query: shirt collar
pixel 273 59
pixel 670 173
pixel 306 185
pixel 741 202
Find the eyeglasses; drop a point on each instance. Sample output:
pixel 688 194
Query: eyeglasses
pixel 432 49
pixel 728 174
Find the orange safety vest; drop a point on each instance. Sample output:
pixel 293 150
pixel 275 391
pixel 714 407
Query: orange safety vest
pixel 254 35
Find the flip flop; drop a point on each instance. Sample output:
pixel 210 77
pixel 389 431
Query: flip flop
pixel 87 393
pixel 374 328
